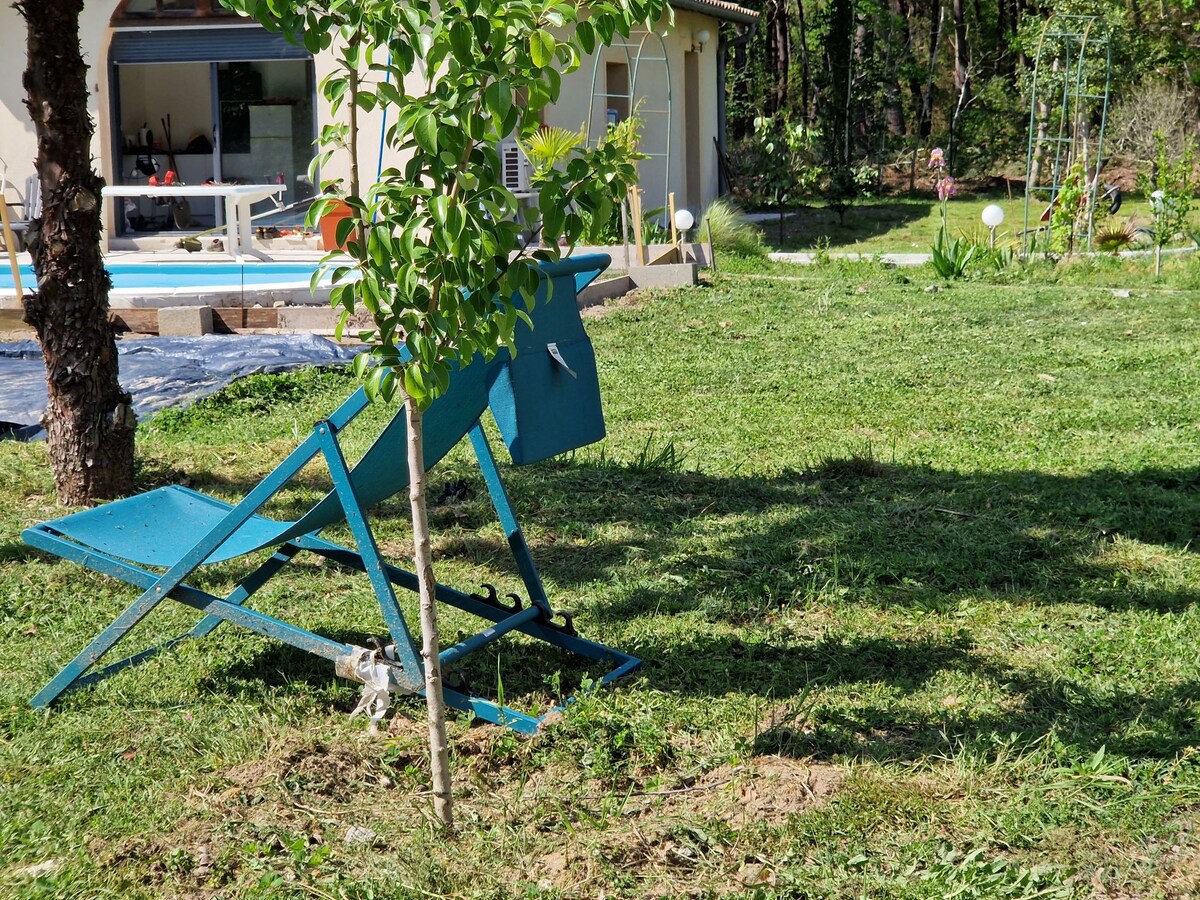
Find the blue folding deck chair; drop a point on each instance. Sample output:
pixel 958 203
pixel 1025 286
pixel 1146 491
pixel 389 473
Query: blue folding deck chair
pixel 545 400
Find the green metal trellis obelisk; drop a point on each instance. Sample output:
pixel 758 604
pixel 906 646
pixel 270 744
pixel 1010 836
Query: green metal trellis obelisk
pixel 1068 112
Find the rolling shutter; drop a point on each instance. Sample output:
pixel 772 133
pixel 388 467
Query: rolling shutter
pixel 241 43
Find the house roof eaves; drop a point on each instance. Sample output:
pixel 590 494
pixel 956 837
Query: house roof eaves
pixel 719 9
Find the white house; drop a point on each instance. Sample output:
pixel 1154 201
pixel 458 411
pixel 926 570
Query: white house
pixel 240 103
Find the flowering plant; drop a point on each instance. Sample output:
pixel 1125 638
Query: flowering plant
pixel 950 255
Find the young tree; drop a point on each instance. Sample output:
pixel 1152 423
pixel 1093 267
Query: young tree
pixel 89 421
pixel 1169 181
pixel 435 249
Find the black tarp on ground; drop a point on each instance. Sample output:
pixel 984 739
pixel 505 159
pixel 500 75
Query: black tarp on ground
pixel 161 371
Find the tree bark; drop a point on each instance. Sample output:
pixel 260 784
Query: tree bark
pixel 893 105
pixel 89 421
pixel 925 122
pixel 962 53
pixel 781 53
pixel 806 104
pixel 439 746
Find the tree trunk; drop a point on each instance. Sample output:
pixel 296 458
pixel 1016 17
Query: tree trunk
pixel 893 106
pixel 925 126
pixel 781 54
pixel 89 421
pixel 439 747
pixel 806 106
pixel 962 53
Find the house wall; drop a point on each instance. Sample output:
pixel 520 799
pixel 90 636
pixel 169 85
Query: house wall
pixel 577 107
pixel 18 143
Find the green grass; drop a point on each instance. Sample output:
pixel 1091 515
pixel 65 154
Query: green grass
pixel 901 225
pixel 913 573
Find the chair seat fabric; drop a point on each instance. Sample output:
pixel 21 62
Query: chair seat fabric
pixel 159 527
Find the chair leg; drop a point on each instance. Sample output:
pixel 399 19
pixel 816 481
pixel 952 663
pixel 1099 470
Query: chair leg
pixel 102 643
pixel 508 520
pixel 246 589
pixel 371 560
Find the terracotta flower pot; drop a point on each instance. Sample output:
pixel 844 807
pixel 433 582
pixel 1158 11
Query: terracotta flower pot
pixel 328 224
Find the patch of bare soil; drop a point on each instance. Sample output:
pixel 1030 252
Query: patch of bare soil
pixel 1178 866
pixel 157 858
pixel 1172 869
pixel 765 790
pixel 674 834
pixel 632 300
pixel 333 772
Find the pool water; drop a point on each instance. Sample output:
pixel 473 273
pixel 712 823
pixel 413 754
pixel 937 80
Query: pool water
pixel 184 276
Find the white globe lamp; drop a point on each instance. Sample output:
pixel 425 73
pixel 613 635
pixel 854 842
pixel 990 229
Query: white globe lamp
pixel 684 220
pixel 993 218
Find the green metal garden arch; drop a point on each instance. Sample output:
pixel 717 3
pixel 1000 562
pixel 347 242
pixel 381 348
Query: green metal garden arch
pixel 639 52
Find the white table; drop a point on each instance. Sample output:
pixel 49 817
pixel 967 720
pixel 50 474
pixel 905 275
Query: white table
pixel 238 199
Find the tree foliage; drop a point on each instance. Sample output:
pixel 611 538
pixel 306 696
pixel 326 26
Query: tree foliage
pixel 436 244
pixel 952 73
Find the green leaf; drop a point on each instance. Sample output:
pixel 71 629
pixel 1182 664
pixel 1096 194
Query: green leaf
pixel 425 133
pixel 438 208
pixel 541 48
pixel 497 99
pixel 586 35
pixel 343 230
pixel 461 41
pixel 413 384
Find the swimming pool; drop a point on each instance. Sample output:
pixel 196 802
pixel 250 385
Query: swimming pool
pixel 217 274
pixel 213 283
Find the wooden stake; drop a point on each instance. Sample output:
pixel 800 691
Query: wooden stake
pixel 712 253
pixel 671 213
pixel 10 242
pixel 625 228
pixel 636 211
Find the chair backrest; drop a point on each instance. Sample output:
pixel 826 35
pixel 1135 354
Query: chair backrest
pixel 33 198
pixel 537 404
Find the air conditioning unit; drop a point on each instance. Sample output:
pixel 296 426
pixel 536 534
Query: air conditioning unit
pixel 515 167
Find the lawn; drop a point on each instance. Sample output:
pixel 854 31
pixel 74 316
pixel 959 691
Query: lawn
pixel 908 225
pixel 913 573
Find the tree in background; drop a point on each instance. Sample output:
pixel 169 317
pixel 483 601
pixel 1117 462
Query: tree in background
pixel 89 421
pixel 948 72
pixel 1169 180
pixel 435 250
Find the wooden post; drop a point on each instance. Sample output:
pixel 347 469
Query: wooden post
pixel 625 228
pixel 712 252
pixel 671 213
pixel 635 196
pixel 10 241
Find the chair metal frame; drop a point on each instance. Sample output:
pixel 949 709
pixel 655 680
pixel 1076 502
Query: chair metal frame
pixel 536 620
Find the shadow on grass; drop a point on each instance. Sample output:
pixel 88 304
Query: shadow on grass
pixel 1155 723
pixel 810 226
pixel 864 531
pixel 11 551
pixel 732 550
pixel 850 531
